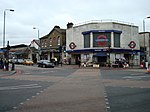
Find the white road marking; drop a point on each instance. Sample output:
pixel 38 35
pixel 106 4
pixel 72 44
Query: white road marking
pixel 135 77
pixel 27 73
pixel 15 107
pixel 21 103
pixel 137 74
pixel 20 87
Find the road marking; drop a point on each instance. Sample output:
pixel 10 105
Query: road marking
pixel 21 103
pixel 27 73
pixel 28 99
pixel 135 77
pixel 20 87
pixel 33 96
pixel 108 107
pixel 14 107
pixel 41 91
pixel 37 93
pixel 137 74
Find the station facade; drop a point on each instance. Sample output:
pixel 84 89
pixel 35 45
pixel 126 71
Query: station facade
pixel 102 42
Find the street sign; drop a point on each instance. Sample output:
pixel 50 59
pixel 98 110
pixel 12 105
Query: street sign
pixel 132 44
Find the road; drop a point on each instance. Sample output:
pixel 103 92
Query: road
pixel 59 89
pixel 63 89
pixel 126 90
pixel 31 82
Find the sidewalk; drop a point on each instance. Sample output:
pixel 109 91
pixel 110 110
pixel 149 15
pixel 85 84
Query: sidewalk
pixel 4 73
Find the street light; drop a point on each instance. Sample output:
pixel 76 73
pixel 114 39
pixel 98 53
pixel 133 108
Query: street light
pixel 39 43
pixel 38 31
pixel 4 25
pixel 144 37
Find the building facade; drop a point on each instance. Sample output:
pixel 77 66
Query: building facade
pixel 102 42
pixel 53 44
pixel 144 38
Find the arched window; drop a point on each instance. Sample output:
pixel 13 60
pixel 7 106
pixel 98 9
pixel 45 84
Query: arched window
pixel 58 40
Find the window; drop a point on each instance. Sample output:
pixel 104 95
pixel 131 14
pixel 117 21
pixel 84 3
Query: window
pixel 86 40
pixel 101 39
pixel 116 39
pixel 50 42
pixel 58 40
pixel 45 43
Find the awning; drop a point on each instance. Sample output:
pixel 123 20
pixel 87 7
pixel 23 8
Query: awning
pixel 100 54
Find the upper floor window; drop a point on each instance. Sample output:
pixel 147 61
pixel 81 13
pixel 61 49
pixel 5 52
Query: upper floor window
pixel 45 43
pixel 58 40
pixel 50 42
pixel 101 39
pixel 87 41
pixel 117 39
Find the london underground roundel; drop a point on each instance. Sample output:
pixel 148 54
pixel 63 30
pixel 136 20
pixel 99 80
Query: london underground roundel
pixel 132 44
pixel 72 45
pixel 101 40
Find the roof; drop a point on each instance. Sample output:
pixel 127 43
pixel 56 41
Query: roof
pixel 57 28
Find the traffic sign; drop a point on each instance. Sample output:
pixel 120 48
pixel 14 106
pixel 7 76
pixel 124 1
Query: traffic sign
pixel 132 44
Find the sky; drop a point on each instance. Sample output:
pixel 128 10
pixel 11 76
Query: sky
pixel 45 14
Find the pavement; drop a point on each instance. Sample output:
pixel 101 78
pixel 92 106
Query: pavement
pixel 4 73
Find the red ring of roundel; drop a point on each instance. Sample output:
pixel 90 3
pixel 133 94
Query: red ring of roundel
pixel 72 45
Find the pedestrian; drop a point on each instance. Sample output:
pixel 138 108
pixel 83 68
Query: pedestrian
pixel 1 63
pixel 69 61
pixel 79 62
pixel 13 65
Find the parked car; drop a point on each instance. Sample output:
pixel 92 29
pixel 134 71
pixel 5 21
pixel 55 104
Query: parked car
pixel 28 62
pixel 45 64
pixel 20 61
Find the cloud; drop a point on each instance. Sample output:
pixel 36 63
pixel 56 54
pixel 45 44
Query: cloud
pixel 48 13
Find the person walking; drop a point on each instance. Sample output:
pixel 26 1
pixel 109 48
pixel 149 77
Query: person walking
pixel 79 62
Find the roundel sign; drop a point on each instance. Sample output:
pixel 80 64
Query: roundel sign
pixel 101 40
pixel 72 45
pixel 132 44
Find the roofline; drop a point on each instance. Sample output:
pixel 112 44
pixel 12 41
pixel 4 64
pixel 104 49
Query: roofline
pixel 105 21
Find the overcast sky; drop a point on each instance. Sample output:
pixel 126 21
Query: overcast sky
pixel 45 14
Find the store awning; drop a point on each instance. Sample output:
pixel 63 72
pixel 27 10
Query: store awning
pixel 100 54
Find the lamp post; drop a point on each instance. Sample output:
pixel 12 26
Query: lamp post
pixel 39 43
pixel 38 31
pixel 144 37
pixel 4 25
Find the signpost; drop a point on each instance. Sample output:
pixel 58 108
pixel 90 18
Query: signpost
pixel 132 45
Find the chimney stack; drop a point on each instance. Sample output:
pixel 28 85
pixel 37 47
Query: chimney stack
pixel 69 25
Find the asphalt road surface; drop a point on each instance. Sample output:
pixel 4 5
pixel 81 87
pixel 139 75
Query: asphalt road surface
pixel 14 92
pixel 126 90
pixel 31 82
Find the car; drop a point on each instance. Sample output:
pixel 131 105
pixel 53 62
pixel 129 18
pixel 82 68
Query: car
pixel 28 62
pixel 20 61
pixel 45 64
